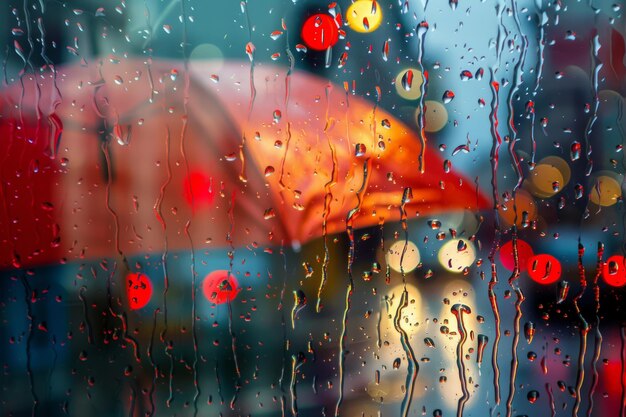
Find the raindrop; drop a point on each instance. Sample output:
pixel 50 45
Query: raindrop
pixel 461 148
pixel 578 191
pixel 434 224
pixel 385 52
pixel 448 96
pixel 466 75
pixel 529 331
pixel 407 80
pixel 343 58
pixel 562 291
pixel 269 214
pixel 482 344
pixel 532 396
pixel 575 150
pixel 250 50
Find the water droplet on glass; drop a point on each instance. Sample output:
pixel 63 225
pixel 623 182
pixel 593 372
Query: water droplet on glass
pixel 448 96
pixel 360 150
pixel 407 80
pixel 269 214
pixel 532 396
pixel 466 75
pixel 276 34
pixel 562 291
pixel 575 150
pixel 529 331
pixel 277 115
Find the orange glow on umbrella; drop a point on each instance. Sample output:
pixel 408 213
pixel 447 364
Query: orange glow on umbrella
pixel 127 154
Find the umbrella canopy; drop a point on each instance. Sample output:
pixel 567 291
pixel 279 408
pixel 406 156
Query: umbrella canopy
pixel 140 156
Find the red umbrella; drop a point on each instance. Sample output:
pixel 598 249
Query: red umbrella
pixel 122 157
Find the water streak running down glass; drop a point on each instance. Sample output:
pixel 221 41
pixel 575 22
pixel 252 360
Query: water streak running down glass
pixel 297 208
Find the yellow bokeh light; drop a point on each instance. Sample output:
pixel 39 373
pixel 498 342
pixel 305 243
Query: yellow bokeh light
pixel 457 291
pixel 435 116
pixel 410 91
pixel 364 16
pixel 605 191
pixel 412 316
pixel 545 181
pixel 399 262
pixel 456 255
pixel 560 164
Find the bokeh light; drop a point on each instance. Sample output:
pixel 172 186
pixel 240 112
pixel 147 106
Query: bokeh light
pixel 435 116
pixel 403 260
pixel 198 189
pixel 456 255
pixel 545 181
pixel 520 211
pixel 220 287
pixel 606 191
pixel 544 269
pixel 138 290
pixel 614 271
pixel 524 253
pixel 408 83
pixel 206 52
pixel 320 32
pixel 364 16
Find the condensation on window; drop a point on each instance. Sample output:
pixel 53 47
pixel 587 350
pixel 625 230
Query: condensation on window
pixel 305 208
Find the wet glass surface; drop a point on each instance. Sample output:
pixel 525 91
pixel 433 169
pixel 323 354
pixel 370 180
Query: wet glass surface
pixel 281 208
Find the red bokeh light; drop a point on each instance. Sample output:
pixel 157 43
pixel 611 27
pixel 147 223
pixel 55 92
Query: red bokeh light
pixel 614 271
pixel 198 189
pixel 524 253
pixel 320 32
pixel 138 290
pixel 544 269
pixel 220 287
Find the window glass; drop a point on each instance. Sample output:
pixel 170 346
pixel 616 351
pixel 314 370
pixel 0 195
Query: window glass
pixel 281 208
